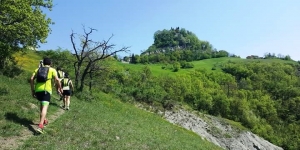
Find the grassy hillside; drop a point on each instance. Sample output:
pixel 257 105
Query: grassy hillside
pixel 107 123
pixel 28 61
pixel 104 123
pixel 207 64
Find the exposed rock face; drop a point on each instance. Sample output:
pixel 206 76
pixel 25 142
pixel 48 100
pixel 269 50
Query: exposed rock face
pixel 218 131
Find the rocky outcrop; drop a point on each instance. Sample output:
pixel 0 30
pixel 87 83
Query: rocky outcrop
pixel 218 131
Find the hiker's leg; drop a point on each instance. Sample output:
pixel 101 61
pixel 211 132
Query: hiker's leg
pixel 43 109
pixel 58 93
pixel 68 101
pixel 65 100
pixel 63 97
pixel 44 98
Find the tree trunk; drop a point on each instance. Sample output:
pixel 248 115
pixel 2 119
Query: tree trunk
pixel 84 74
pixel 90 84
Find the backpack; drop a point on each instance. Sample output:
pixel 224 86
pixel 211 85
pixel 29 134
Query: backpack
pixel 42 74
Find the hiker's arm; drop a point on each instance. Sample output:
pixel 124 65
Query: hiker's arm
pixel 55 85
pixel 58 85
pixel 71 84
pixel 32 85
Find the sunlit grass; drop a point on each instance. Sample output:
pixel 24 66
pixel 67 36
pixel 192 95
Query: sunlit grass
pixel 104 123
pixel 28 61
pixel 18 109
pixel 107 123
pixel 213 64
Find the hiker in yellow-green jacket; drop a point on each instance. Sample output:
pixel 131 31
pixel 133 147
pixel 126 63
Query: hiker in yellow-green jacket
pixel 60 74
pixel 68 88
pixel 42 89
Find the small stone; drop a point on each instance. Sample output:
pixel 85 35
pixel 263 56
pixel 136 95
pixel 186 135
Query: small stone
pixel 118 138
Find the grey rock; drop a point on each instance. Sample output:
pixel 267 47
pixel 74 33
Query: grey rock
pixel 217 131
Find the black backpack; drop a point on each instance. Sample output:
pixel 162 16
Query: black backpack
pixel 42 74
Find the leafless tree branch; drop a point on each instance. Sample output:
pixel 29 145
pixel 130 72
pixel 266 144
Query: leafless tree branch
pixel 90 53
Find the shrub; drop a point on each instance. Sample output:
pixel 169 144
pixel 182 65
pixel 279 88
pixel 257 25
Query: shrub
pixel 11 69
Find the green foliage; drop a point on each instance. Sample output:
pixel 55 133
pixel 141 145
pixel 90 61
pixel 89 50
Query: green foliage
pixel 176 66
pixel 126 58
pixel 4 91
pixel 179 45
pixel 11 69
pixel 128 123
pixel 185 64
pixel 23 25
pixel 262 95
pixel 117 125
pixel 222 53
pixel 60 58
pixel 89 55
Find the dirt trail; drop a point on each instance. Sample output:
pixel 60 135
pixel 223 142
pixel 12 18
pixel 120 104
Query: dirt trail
pixel 8 143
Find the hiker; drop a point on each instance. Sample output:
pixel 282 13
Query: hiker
pixel 41 64
pixel 42 89
pixel 60 75
pixel 67 85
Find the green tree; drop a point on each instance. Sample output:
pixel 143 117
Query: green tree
pixel 176 66
pixel 169 43
pixel 126 58
pixel 60 58
pixel 137 59
pixel 144 59
pixel 22 25
pixel 222 53
pixel 133 59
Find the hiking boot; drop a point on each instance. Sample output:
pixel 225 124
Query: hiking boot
pixel 63 107
pixel 40 129
pixel 67 108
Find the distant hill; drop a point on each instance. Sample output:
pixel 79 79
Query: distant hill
pixel 208 64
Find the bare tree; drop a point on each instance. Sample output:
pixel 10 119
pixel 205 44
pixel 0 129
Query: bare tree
pixel 88 54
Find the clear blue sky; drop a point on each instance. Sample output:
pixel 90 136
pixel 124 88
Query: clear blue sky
pixel 241 27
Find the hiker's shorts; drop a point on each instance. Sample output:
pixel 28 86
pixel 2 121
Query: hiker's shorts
pixel 43 96
pixel 66 92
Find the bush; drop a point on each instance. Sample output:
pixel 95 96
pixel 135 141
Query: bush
pixel 4 90
pixel 86 95
pixel 189 65
pixel 11 69
pixel 176 66
pixel 185 64
pixel 169 104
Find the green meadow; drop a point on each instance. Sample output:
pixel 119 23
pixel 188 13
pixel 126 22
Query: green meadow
pixel 207 64
pixel 103 123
